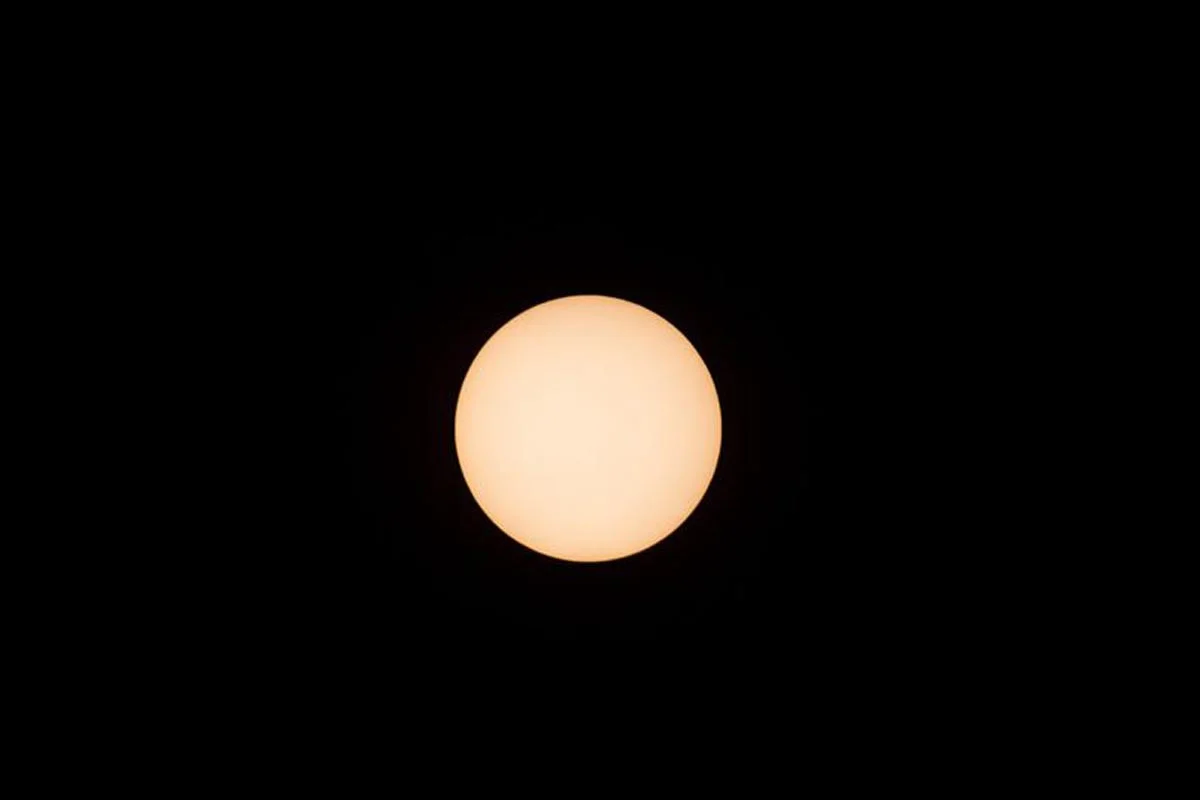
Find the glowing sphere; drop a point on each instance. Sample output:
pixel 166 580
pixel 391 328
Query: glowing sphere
pixel 588 428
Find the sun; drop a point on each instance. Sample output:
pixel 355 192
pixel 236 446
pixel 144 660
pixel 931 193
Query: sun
pixel 588 428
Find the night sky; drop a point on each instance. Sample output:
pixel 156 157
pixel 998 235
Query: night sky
pixel 831 538
pixel 856 239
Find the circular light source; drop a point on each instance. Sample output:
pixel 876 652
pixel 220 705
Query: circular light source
pixel 588 428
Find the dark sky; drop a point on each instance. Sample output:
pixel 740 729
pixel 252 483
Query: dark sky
pixel 825 295
pixel 851 244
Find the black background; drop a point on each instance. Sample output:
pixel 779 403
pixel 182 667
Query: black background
pixel 829 297
pixel 850 241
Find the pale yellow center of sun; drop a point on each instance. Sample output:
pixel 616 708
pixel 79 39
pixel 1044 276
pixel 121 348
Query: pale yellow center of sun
pixel 588 428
